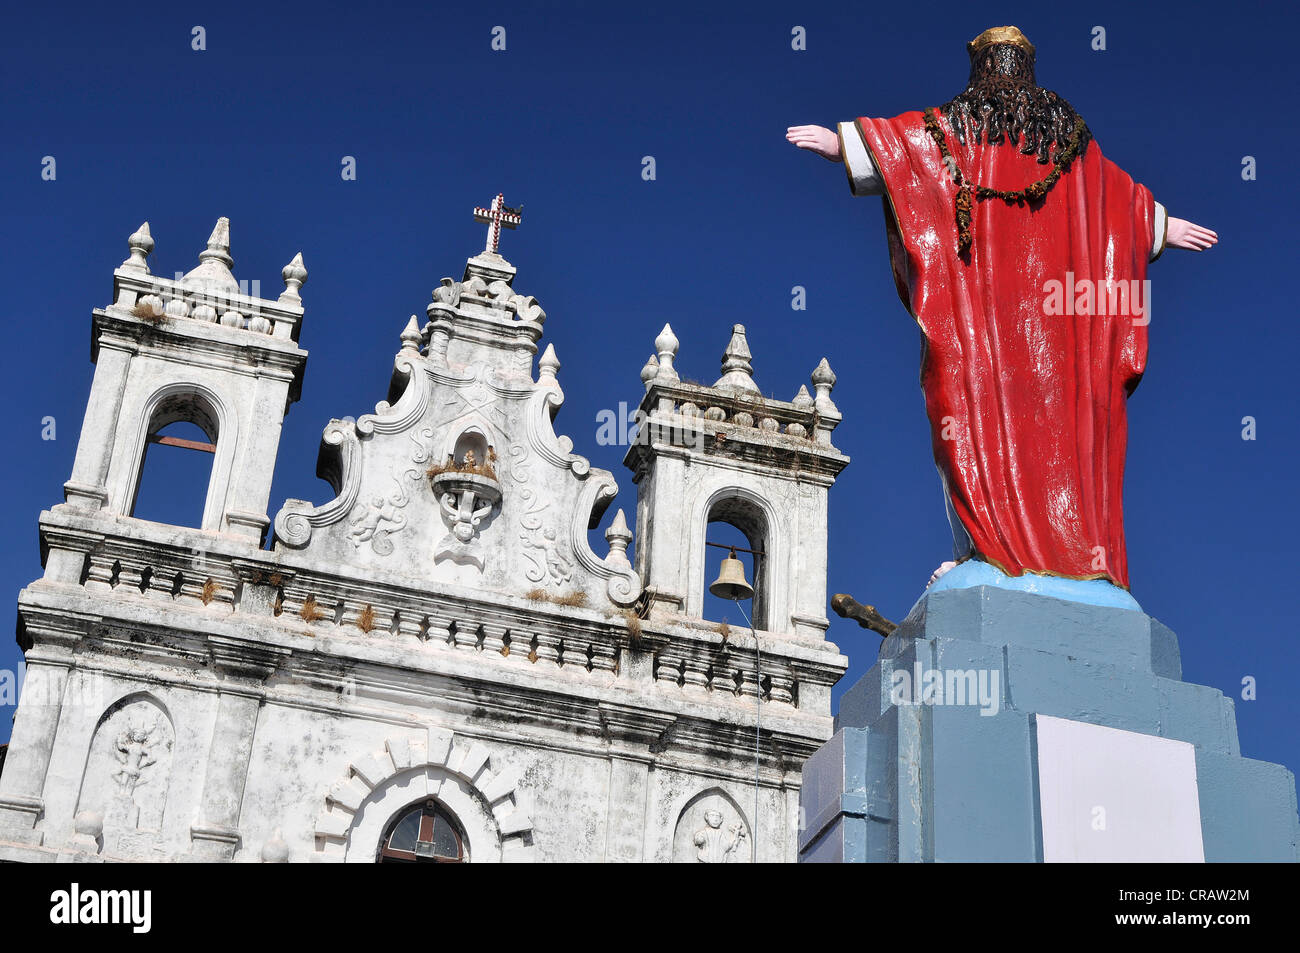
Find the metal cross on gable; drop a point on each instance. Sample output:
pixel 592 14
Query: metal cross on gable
pixel 496 216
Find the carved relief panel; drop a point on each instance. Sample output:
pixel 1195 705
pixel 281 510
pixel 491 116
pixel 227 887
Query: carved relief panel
pixel 128 771
pixel 712 830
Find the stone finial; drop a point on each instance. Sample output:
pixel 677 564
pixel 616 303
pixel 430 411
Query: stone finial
pixel 737 371
pixel 295 276
pixel 618 536
pixel 823 377
pixel 215 262
pixel 411 335
pixel 803 400
pixel 547 366
pixel 649 371
pixel 275 850
pixel 219 244
pixel 667 344
pixel 828 415
pixel 141 244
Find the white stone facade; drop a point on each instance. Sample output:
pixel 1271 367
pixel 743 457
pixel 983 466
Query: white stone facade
pixel 440 631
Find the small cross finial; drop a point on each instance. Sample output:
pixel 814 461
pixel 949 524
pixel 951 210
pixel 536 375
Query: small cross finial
pixel 496 216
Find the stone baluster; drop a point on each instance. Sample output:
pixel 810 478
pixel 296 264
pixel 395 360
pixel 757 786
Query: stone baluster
pixel 782 691
pixel 574 654
pixel 410 625
pixel 130 573
pixel 724 678
pixel 749 687
pixel 494 638
pixel 439 632
pixel 668 670
pixel 99 577
pixel 521 646
pixel 695 676
pixel 162 582
pixel 548 648
pixel 465 635
pixel 604 657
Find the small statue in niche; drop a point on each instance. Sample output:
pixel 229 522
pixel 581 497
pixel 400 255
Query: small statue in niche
pixel 713 844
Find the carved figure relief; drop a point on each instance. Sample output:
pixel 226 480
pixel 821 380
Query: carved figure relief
pixel 134 750
pixel 542 544
pixel 712 829
pixel 128 771
pixel 716 845
pixel 379 520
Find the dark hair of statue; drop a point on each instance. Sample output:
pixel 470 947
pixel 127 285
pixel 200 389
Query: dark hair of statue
pixel 1002 103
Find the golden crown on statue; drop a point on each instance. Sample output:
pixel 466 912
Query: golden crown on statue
pixel 1000 34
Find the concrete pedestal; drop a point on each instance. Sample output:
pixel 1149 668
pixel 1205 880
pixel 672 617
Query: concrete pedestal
pixel 1010 726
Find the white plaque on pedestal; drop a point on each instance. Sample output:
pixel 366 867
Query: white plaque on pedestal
pixel 1112 795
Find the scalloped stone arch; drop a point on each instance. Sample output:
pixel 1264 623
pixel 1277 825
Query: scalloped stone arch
pixel 453 770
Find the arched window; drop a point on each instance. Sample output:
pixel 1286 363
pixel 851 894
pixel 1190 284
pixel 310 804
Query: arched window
pixel 174 475
pixel 423 834
pixel 174 481
pixel 737 521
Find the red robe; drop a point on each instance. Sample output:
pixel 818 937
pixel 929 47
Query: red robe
pixel 1032 404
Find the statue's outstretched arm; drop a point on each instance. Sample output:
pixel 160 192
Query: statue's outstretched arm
pixel 816 139
pixel 1189 235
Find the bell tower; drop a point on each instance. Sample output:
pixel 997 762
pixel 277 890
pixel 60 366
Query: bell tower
pixel 728 454
pixel 199 348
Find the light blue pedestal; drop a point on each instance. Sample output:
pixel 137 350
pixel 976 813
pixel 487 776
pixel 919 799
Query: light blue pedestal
pixel 959 782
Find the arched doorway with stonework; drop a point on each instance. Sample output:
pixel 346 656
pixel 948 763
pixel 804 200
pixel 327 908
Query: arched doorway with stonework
pixel 436 797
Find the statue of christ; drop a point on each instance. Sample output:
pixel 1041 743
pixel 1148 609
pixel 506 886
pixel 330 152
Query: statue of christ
pixel 1021 251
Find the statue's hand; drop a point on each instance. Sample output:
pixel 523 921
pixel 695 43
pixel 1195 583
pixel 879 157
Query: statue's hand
pixel 1184 234
pixel 820 140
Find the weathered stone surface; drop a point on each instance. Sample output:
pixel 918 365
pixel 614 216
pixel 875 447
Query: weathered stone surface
pixel 441 629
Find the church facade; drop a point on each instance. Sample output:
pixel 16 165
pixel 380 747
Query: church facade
pixel 434 665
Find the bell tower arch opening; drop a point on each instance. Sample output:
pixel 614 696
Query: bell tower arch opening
pixel 740 523
pixel 174 480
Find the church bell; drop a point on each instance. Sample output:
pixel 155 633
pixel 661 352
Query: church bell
pixel 731 583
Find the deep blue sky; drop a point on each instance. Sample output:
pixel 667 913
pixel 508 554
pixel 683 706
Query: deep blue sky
pixel 142 127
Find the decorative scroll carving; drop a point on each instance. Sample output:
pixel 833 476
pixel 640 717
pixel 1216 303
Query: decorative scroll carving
pixel 339 464
pixel 447 294
pixel 527 308
pixel 409 408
